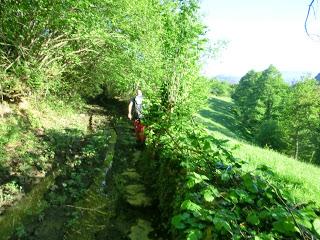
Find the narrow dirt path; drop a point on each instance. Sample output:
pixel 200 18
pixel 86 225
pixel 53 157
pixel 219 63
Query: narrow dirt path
pixel 128 186
pixel 106 196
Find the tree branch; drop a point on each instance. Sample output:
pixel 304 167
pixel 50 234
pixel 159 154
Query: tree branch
pixel 87 209
pixel 307 17
pixel 280 197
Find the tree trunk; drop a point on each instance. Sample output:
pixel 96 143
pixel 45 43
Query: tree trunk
pixel 312 155
pixel 296 154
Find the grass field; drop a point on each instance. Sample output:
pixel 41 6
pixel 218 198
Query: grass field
pixel 300 178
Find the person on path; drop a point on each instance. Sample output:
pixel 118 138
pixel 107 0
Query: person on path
pixel 135 114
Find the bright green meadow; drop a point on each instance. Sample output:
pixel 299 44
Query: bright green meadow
pixel 300 178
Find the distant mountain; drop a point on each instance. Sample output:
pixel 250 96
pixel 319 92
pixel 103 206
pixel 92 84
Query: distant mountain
pixel 317 77
pixel 294 76
pixel 228 78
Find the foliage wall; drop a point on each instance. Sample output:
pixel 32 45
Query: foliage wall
pixel 78 47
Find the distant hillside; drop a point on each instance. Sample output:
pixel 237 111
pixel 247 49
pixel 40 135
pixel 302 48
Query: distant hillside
pixel 318 77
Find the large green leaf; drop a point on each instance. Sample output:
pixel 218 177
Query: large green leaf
pixel 286 227
pixel 316 225
pixel 221 224
pixel 210 193
pixel 250 183
pixel 177 221
pixel 195 178
pixel 253 219
pixel 194 234
pixel 208 196
pixel 191 206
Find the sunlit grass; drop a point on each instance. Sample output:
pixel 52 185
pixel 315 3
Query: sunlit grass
pixel 57 114
pixel 300 178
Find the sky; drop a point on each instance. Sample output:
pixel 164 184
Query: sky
pixel 259 33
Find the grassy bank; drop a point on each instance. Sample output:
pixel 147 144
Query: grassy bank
pixel 51 152
pixel 300 178
pixel 29 138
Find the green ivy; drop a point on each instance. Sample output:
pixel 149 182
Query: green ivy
pixel 216 199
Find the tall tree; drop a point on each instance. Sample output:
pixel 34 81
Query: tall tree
pixel 183 43
pixel 271 89
pixel 300 119
pixel 245 98
pixel 258 100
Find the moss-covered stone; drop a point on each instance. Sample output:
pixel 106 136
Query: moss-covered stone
pixel 131 174
pixel 141 230
pixel 135 195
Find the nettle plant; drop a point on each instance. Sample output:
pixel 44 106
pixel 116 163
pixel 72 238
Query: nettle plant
pixel 216 199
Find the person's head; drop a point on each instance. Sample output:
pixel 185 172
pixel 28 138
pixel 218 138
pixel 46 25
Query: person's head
pixel 139 92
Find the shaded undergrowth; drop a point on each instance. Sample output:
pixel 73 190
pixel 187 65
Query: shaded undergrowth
pixel 85 194
pixel 74 158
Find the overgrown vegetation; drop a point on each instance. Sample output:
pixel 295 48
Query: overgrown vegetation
pixel 216 199
pixel 78 50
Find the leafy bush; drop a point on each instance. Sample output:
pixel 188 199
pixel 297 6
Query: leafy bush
pixel 215 199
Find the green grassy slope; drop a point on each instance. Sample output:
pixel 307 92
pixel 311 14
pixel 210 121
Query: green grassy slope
pixel 300 178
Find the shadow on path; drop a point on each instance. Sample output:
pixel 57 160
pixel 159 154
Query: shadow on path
pixel 134 215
